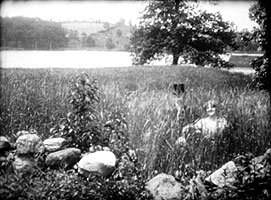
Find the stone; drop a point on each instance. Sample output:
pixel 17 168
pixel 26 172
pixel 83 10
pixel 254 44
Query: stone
pixel 53 144
pixel 29 143
pixel 23 165
pixel 165 187
pixel 99 162
pixel 224 176
pixel 63 158
pixel 5 145
pixel 263 158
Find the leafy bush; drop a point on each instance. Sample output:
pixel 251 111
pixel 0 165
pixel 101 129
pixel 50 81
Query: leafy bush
pixel 81 127
pixel 69 185
pixel 260 79
pixel 253 181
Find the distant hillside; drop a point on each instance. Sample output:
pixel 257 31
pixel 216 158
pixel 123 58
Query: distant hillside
pixel 84 27
pixel 119 35
pixel 98 36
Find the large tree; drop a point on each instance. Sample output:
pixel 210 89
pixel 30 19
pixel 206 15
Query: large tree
pixel 260 13
pixel 177 28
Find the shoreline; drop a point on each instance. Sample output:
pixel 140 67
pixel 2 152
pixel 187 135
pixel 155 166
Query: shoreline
pixel 63 49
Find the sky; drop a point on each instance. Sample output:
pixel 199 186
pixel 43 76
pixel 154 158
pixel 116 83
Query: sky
pixel 113 11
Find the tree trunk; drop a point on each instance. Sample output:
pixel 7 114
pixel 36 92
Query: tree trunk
pixel 175 59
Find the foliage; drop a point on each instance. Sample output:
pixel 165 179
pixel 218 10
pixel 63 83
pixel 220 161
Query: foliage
pixel 141 107
pixel 119 33
pixel 106 25
pixel 115 133
pixel 69 185
pixel 90 41
pixel 109 43
pixel 32 100
pixel 176 28
pixel 259 14
pixel 253 181
pixel 82 130
pixel 244 44
pixel 81 127
pixel 32 33
pixel 135 111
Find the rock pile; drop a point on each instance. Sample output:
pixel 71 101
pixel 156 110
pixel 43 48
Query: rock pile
pixel 167 187
pixel 29 151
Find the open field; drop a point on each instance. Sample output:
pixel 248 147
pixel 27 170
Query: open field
pixel 37 98
pixel 84 27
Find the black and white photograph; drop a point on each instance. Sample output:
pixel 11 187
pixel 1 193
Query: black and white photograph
pixel 135 100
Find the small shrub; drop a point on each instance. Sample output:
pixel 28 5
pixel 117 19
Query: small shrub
pixel 81 127
pixel 260 79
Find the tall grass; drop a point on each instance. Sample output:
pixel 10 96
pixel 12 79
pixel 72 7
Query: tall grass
pixel 36 99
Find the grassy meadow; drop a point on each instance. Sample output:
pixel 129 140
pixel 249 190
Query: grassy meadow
pixel 37 98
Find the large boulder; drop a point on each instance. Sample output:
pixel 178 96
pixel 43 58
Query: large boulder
pixel 99 162
pixel 165 187
pixel 63 158
pixel 224 176
pixel 23 165
pixel 262 159
pixel 29 143
pixel 53 144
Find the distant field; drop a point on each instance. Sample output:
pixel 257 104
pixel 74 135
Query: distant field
pixel 100 34
pixel 120 42
pixel 240 60
pixel 37 98
pixel 84 27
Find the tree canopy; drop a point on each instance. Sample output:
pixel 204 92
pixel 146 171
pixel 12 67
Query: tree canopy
pixel 31 33
pixel 258 13
pixel 177 28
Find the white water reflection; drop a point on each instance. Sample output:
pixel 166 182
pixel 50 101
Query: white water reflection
pixel 65 59
pixel 83 59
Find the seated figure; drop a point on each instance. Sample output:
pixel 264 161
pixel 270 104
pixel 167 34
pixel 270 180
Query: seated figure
pixel 208 126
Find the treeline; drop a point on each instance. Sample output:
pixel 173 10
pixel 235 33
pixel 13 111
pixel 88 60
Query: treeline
pixel 32 33
pixel 36 34
pixel 112 37
pixel 243 43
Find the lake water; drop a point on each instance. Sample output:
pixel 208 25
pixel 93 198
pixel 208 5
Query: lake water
pixel 64 59
pixel 77 59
